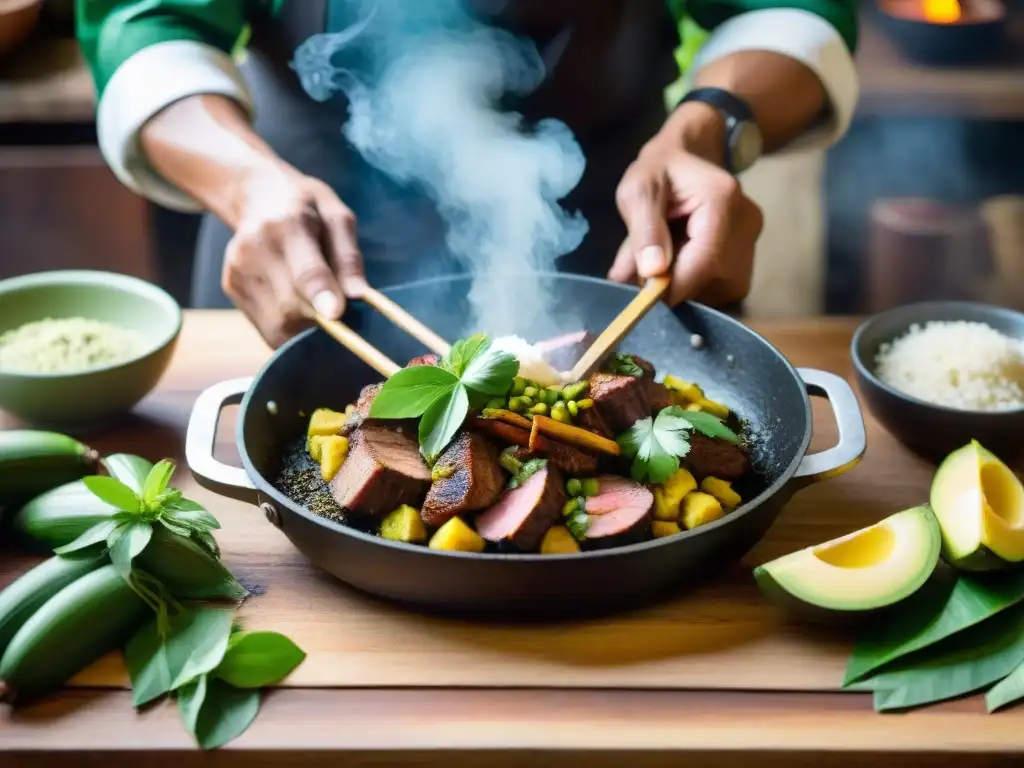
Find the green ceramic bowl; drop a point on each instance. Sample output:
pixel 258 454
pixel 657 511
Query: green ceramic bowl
pixel 86 400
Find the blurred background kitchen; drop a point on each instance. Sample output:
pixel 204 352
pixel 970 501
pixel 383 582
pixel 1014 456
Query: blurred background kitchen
pixel 924 198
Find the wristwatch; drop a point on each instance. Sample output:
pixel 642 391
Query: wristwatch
pixel 742 136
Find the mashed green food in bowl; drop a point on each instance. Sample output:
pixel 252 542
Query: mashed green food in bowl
pixel 79 348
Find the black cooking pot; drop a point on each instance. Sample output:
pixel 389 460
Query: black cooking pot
pixel 734 365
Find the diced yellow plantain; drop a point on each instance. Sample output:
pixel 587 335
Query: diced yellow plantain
pixel 699 509
pixel 714 407
pixel 687 389
pixel 721 490
pixel 315 446
pixel 349 408
pixel 333 453
pixel 404 524
pixel 668 497
pixel 558 541
pixel 456 536
pixel 692 407
pixel 662 528
pixel 325 422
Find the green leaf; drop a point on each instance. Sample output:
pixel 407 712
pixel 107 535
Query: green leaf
pixel 656 445
pixel 224 713
pixel 947 604
pixel 710 425
pixel 1008 691
pixel 194 645
pixel 441 421
pixel 126 542
pixel 129 469
pixel 190 698
pixel 157 480
pixel 191 514
pixel 624 365
pixel 490 372
pixel 463 351
pixel 205 540
pixel 961 664
pixel 409 392
pixel 259 659
pixel 94 535
pixel 113 492
pixel 187 569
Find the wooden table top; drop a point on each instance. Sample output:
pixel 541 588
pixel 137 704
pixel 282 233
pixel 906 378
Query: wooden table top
pixel 298 726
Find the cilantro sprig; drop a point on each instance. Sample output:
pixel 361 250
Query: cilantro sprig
pixel 656 445
pixel 441 396
pixel 625 365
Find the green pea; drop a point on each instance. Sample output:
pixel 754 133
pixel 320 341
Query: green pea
pixel 530 391
pixel 585 404
pixel 574 487
pixel 497 404
pixel 573 391
pixel 574 409
pixel 560 414
pixel 540 409
pixel 519 386
pixel 526 400
pixel 570 506
pixel 516 405
pixel 591 486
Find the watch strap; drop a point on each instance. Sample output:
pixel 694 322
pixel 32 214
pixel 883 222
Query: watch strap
pixel 732 106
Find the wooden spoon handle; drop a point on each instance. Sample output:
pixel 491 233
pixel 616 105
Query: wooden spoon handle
pixel 406 322
pixel 357 345
pixel 620 327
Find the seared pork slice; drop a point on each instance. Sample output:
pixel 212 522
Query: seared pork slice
pixel 428 359
pixel 476 481
pixel 658 395
pixel 621 509
pixel 592 420
pixel 362 410
pixel 620 400
pixel 563 352
pixel 567 458
pixel 523 515
pixel 714 457
pixel 383 470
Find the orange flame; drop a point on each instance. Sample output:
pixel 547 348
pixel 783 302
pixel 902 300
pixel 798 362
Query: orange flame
pixel 942 11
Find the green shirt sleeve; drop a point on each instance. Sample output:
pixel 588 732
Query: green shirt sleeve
pixel 841 14
pixel 112 31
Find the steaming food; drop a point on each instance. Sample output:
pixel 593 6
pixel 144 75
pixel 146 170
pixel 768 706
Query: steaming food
pixel 526 466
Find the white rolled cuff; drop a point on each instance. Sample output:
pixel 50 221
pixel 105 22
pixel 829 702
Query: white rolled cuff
pixel 803 36
pixel 143 85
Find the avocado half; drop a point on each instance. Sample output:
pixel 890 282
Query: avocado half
pixel 862 572
pixel 979 503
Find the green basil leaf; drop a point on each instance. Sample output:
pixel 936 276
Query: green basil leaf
pixel 463 351
pixel 187 569
pixel 126 542
pixel 191 514
pixel 962 664
pixel 94 535
pixel 409 392
pixel 194 645
pixel 113 492
pixel 258 659
pixel 225 714
pixel 157 480
pixel 490 372
pixel 441 421
pixel 710 425
pixel 190 698
pixel 1007 691
pixel 206 541
pixel 129 469
pixel 946 604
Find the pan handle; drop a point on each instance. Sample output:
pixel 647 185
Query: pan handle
pixel 212 474
pixel 847 453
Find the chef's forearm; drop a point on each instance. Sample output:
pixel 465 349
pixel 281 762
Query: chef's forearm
pixel 786 97
pixel 205 146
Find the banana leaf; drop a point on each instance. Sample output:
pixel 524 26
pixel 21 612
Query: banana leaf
pixel 964 663
pixel 1008 691
pixel 945 605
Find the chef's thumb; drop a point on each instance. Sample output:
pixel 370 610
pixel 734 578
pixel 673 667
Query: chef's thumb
pixel 312 276
pixel 643 209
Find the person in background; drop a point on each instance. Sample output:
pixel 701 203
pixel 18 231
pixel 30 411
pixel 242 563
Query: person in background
pixel 295 216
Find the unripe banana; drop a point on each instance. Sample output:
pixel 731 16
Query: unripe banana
pixel 88 618
pixel 61 515
pixel 33 461
pixel 22 597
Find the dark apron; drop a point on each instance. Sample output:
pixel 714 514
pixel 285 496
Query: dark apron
pixel 606 84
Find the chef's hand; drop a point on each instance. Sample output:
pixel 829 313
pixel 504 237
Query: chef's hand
pixel 294 247
pixel 677 180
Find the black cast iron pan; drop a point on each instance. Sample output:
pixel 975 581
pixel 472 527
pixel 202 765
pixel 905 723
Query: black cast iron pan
pixel 734 365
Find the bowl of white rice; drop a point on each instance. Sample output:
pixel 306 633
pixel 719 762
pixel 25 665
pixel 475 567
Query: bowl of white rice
pixel 939 374
pixel 79 348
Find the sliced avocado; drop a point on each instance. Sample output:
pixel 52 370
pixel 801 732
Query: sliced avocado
pixel 980 506
pixel 866 570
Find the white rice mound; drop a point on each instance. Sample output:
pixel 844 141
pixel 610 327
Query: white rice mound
pixel 958 364
pixel 532 364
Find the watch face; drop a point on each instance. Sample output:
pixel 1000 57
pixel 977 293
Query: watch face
pixel 746 146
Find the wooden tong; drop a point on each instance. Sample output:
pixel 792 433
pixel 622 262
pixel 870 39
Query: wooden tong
pixel 368 353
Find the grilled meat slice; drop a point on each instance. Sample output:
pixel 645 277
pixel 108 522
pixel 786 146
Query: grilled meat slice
pixel 383 470
pixel 621 401
pixel 475 483
pixel 523 515
pixel 428 359
pixel 567 458
pixel 620 511
pixel 714 457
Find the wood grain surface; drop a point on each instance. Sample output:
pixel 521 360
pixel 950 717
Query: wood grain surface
pixel 775 678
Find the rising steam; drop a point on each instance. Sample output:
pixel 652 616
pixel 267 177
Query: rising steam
pixel 422 109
